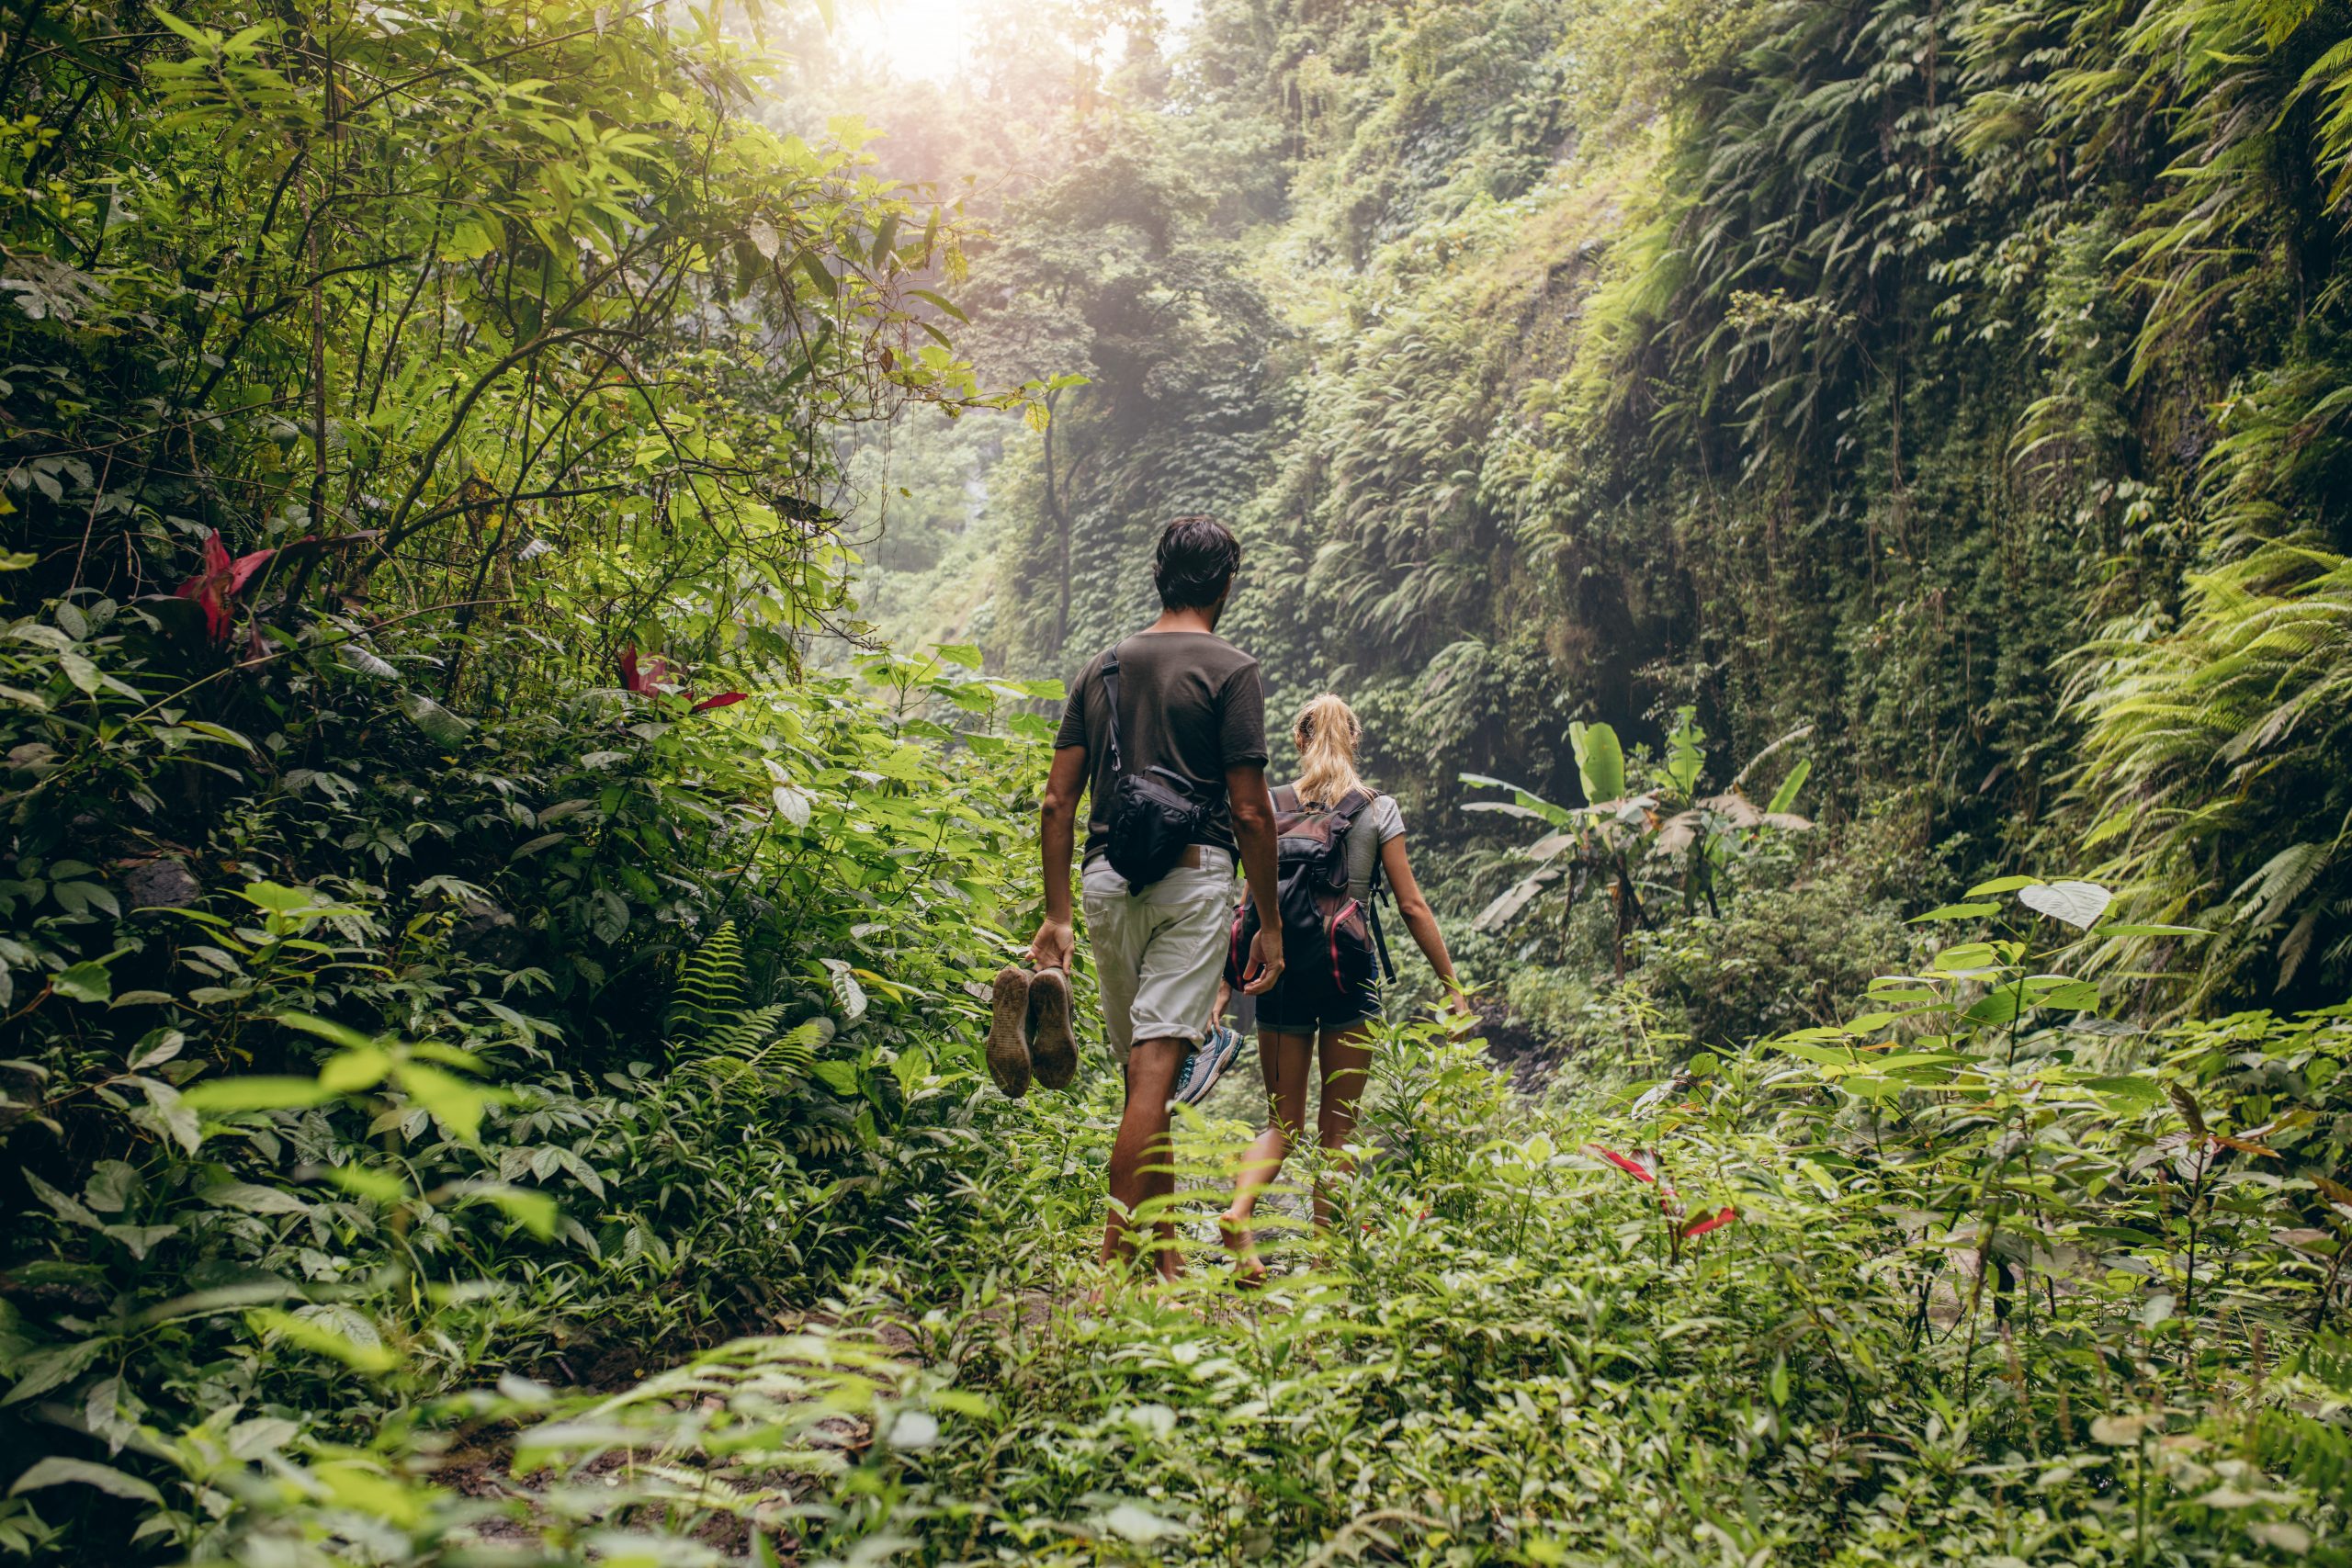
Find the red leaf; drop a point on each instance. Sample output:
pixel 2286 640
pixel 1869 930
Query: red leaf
pixel 1712 1223
pixel 241 570
pixel 643 679
pixel 211 587
pixel 1633 1168
pixel 724 700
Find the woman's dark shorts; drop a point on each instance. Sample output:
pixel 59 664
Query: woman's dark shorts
pixel 1312 1014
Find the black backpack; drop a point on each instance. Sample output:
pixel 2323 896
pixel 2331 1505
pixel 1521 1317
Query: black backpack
pixel 1152 822
pixel 1331 943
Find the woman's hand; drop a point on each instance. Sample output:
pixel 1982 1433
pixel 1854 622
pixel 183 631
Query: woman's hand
pixel 1457 1002
pixel 1265 961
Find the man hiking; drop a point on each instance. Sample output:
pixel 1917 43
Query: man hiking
pixel 1166 734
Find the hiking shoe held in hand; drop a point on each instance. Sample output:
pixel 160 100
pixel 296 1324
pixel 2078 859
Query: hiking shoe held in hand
pixel 1209 1065
pixel 1053 1049
pixel 1008 1049
pixel 1184 1075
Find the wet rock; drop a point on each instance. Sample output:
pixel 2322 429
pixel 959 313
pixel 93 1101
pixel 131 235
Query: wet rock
pixel 163 882
pixel 487 932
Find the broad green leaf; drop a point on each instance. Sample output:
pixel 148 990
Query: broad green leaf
pixel 336 1033
pixel 339 1334
pixel 221 1097
pixel 252 1198
pixel 1786 795
pixel 84 981
pixel 58 1471
pixel 1600 762
pixel 440 726
pixel 2077 903
pixel 455 1103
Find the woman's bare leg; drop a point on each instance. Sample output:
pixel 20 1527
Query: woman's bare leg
pixel 1285 1060
pixel 1347 1065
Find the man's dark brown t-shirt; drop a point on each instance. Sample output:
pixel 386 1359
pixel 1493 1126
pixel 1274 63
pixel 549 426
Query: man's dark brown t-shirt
pixel 1189 702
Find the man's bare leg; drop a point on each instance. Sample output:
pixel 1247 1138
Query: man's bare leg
pixel 1143 1164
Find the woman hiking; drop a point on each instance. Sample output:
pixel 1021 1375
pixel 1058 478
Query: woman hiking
pixel 1327 891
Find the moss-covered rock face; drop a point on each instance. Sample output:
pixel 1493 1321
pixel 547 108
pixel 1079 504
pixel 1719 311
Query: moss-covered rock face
pixel 1904 370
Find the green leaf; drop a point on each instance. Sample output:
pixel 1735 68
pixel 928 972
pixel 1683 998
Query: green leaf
pixel 341 1334
pixel 2126 929
pixel 2138 1093
pixel 1785 797
pixel 45 1370
pixel 349 1072
pixel 440 726
pixel 2077 903
pixel 365 1181
pixel 278 899
pixel 1684 761
pixel 2000 884
pixel 455 1103
pixel 221 1097
pixel 327 1029
pixel 58 1471
pixel 847 991
pixel 252 1198
pixel 84 981
pixel 1957 912
pixel 946 306
pixel 1600 762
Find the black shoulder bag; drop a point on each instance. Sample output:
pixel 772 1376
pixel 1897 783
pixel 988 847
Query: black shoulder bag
pixel 1152 822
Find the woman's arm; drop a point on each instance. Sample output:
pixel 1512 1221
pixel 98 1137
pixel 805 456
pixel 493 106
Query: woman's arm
pixel 1421 919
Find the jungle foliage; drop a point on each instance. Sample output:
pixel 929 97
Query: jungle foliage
pixel 493 946
pixel 1965 380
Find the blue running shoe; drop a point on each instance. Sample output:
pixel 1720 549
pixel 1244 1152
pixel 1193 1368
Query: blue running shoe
pixel 1184 1076
pixel 1207 1064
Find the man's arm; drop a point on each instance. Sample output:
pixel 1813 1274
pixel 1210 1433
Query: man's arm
pixel 1252 808
pixel 1056 823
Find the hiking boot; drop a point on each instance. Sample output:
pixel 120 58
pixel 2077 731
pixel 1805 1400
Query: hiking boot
pixel 1053 1049
pixel 1008 1049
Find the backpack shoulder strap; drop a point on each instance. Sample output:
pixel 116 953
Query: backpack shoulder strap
pixel 1286 799
pixel 1110 702
pixel 1352 805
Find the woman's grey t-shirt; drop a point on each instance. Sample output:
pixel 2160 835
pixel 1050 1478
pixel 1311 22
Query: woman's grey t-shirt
pixel 1189 702
pixel 1378 823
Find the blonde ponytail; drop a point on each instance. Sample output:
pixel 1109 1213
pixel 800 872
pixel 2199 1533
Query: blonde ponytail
pixel 1326 731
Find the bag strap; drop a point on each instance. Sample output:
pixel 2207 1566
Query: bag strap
pixel 1285 798
pixel 1374 888
pixel 1352 806
pixel 1111 700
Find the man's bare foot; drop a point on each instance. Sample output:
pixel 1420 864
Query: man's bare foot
pixel 1248 1269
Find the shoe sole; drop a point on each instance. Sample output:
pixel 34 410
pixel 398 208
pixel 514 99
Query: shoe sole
pixel 1053 1050
pixel 1008 1049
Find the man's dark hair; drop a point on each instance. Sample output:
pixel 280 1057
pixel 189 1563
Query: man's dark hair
pixel 1198 556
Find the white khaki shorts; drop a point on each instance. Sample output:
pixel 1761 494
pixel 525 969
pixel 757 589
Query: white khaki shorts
pixel 1158 955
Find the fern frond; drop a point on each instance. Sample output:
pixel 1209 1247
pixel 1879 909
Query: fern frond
pixel 710 983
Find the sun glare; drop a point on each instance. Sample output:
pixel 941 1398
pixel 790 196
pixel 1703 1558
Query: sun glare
pixel 930 38
pixel 920 37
